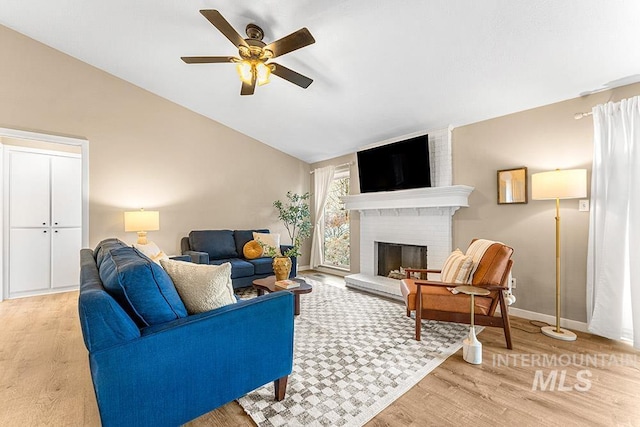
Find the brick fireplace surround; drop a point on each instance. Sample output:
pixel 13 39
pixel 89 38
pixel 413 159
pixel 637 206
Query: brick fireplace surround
pixel 420 217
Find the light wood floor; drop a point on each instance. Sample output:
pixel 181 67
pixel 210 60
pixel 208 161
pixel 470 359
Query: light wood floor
pixel 45 380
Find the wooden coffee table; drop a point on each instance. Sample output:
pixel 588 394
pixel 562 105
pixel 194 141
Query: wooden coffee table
pixel 268 284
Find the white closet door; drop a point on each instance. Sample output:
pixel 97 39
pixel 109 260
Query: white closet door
pixel 30 260
pixel 29 190
pixel 66 192
pixel 65 257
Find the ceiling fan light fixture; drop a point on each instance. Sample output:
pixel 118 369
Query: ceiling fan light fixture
pixel 245 71
pixel 263 72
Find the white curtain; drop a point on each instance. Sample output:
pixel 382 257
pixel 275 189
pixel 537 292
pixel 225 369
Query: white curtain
pixel 322 179
pixel 613 264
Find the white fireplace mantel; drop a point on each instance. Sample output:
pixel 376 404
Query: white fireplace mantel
pixel 454 196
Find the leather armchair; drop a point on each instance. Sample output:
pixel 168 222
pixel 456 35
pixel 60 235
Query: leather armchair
pixel 432 300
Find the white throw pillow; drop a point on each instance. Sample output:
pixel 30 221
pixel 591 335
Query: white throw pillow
pixel 268 239
pixel 202 287
pixel 152 251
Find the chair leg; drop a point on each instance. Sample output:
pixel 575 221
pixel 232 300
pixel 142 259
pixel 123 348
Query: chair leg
pixel 408 312
pixel 281 387
pixel 418 312
pixel 505 320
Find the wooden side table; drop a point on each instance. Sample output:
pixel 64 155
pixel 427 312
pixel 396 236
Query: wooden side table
pixel 268 284
pixel 471 347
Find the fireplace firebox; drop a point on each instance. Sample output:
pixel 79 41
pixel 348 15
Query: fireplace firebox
pixel 393 258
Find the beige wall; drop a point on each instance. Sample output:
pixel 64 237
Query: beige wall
pixel 145 151
pixel 541 139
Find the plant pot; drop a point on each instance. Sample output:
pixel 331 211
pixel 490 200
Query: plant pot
pixel 282 267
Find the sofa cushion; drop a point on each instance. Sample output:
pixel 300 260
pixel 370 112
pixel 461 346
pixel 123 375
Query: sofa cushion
pixel 440 298
pixel 262 265
pixel 239 268
pixel 141 287
pixel 219 244
pixel 105 246
pixel 103 321
pixel 202 287
pixel 243 236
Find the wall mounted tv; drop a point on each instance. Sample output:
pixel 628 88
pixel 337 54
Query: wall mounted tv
pixel 398 166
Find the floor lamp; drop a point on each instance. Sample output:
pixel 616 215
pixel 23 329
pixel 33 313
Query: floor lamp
pixel 559 184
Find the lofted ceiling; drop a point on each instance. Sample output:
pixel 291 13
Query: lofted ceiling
pixel 381 69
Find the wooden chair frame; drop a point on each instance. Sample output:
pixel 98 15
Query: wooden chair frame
pixel 448 316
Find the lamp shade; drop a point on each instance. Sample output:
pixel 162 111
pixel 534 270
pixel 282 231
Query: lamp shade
pixel 559 184
pixel 142 221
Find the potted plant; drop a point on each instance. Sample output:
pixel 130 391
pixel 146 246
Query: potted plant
pixel 296 217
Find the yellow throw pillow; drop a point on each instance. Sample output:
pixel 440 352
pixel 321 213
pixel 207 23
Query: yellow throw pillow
pixel 456 268
pixel 252 250
pixel 202 287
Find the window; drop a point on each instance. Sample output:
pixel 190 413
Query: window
pixel 336 223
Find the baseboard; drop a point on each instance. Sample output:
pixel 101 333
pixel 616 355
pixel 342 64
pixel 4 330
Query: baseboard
pixel 44 292
pixel 304 267
pixel 565 323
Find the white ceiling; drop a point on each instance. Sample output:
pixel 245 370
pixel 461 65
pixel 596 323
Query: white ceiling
pixel 381 69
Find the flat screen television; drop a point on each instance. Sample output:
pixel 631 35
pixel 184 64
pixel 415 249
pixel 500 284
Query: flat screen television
pixel 398 166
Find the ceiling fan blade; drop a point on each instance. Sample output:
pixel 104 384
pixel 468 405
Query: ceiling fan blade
pixel 207 59
pixel 290 75
pixel 293 41
pixel 248 88
pixel 224 27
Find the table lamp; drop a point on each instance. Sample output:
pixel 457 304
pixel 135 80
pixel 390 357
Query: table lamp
pixel 559 184
pixel 142 221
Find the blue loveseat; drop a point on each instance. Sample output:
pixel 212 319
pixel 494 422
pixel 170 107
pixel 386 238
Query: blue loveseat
pixel 154 365
pixel 220 246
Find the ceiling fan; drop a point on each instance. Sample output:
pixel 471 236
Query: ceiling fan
pixel 254 54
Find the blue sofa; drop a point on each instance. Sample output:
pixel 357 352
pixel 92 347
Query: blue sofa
pixel 220 246
pixel 154 365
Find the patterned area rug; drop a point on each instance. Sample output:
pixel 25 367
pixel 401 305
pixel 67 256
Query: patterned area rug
pixel 354 354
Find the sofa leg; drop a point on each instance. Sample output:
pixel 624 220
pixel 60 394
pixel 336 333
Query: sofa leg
pixel 281 387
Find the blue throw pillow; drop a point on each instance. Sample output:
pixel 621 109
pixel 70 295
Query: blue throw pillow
pixel 141 287
pixel 219 244
pixel 103 248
